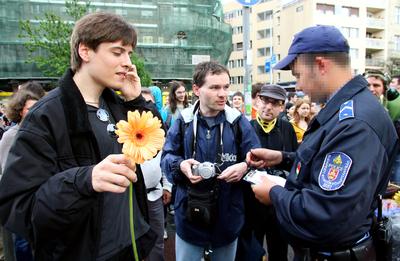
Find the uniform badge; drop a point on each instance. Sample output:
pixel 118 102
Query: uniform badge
pixel 334 171
pixel 346 110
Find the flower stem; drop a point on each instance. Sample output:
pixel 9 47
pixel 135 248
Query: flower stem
pixel 131 224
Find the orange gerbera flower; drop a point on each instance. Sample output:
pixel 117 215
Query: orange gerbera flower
pixel 142 136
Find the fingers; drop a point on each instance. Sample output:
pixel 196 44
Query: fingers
pixel 234 173
pixel 113 174
pixel 195 179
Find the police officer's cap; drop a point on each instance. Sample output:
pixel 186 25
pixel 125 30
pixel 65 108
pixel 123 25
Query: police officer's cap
pixel 315 39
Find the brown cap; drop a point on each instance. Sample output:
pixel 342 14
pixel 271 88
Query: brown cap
pixel 273 91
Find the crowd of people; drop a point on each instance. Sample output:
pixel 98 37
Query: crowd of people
pixel 300 170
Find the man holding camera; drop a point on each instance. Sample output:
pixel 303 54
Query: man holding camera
pixel 204 156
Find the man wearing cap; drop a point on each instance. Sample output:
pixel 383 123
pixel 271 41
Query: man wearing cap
pixel 277 134
pixel 327 206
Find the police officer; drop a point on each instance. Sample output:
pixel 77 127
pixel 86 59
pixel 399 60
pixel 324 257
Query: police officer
pixel 327 206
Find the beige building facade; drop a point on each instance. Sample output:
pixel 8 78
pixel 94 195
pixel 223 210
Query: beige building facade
pixel 372 28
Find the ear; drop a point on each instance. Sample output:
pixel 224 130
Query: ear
pixel 322 64
pixel 196 90
pixel 83 51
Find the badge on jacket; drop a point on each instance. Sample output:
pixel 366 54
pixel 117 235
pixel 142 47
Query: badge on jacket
pixel 334 171
pixel 346 110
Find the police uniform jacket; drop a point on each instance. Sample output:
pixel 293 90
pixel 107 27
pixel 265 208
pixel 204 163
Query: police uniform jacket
pixel 178 147
pixel 46 193
pixel 329 198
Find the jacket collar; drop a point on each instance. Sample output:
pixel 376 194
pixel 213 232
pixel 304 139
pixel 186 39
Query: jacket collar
pixel 351 88
pixel 74 105
pixel 230 114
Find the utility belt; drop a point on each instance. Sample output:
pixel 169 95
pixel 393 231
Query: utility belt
pixel 363 251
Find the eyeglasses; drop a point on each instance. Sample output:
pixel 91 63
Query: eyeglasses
pixel 274 102
pixel 104 116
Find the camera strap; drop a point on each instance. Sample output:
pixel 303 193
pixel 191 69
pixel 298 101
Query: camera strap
pixel 220 147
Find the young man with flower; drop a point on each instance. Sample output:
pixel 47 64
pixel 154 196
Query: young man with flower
pixel 211 132
pixel 65 182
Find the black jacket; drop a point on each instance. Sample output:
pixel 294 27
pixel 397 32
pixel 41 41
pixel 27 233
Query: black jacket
pixel 282 137
pixel 46 194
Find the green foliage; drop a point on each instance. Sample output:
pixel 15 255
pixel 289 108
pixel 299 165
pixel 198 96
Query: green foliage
pixel 145 78
pixel 48 42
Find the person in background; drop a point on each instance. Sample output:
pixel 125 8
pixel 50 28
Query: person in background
pixel 17 108
pixel 33 86
pixel 277 134
pixel 238 101
pixel 301 118
pixel 177 101
pixel 255 90
pixel 314 109
pixel 395 82
pixel 377 84
pixel 158 193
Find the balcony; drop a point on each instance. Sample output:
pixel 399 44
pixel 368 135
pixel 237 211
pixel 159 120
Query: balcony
pixel 373 4
pixel 377 23
pixel 376 44
pixel 374 62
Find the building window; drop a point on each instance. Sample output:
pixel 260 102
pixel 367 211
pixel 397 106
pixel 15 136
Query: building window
pixel 397 14
pixel 350 32
pixel 299 9
pixel 263 16
pixel 237 30
pixel 231 64
pixel 260 69
pixel 353 53
pixel 239 63
pixel 240 79
pixel 263 52
pixel 397 43
pixel 232 80
pixel 264 33
pixel 326 9
pixel 350 11
pixel 239 46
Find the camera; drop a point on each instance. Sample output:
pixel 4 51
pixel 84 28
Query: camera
pixel 206 170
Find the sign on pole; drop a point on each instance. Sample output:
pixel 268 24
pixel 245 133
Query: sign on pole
pixel 270 62
pixel 248 2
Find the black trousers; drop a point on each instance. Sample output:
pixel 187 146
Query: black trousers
pixel 267 226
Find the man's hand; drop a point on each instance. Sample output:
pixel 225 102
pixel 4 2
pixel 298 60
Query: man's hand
pixel 234 173
pixel 132 87
pixel 186 168
pixel 113 174
pixel 261 190
pixel 262 158
pixel 166 197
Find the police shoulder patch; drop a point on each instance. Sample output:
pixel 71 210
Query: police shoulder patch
pixel 334 171
pixel 346 110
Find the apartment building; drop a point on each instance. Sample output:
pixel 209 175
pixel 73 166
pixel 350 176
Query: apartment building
pixel 371 27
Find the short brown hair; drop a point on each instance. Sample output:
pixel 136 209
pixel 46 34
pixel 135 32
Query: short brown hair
pixel 204 68
pixel 340 58
pixel 256 89
pixel 17 103
pixel 96 28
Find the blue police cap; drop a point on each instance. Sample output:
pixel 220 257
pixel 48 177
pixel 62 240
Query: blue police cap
pixel 315 39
